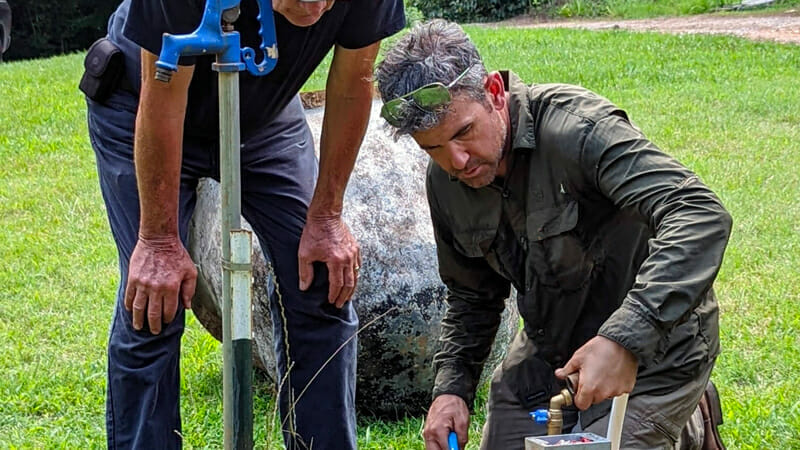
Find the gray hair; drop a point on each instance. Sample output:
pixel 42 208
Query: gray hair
pixel 433 51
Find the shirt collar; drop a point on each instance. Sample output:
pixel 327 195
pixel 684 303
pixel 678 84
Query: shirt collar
pixel 522 131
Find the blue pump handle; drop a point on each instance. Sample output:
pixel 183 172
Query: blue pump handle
pixel 269 42
pixel 452 441
pixel 209 38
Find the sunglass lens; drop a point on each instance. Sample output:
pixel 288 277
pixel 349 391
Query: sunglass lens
pixel 432 96
pixel 391 110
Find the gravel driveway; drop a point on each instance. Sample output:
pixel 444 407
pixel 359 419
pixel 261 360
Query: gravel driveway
pixel 781 27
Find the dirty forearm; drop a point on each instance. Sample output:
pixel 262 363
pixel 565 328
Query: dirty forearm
pixel 158 148
pixel 347 109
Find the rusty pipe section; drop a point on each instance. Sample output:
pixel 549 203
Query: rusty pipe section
pixel 555 421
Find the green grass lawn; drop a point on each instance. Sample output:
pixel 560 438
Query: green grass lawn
pixel 728 108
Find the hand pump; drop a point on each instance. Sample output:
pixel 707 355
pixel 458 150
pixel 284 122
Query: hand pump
pixel 215 35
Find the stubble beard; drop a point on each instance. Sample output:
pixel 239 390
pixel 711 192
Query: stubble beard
pixel 491 165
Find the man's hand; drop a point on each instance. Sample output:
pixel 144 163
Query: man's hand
pixel 160 270
pixel 328 240
pixel 606 368
pixel 447 413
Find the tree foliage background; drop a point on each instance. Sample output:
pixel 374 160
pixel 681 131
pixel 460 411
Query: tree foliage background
pixel 471 10
pixel 42 28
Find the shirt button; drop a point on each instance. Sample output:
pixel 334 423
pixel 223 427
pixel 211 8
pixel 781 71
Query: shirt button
pixel 540 332
pixel 506 193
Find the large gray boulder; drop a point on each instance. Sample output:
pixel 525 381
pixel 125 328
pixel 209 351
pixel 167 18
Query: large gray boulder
pixel 387 212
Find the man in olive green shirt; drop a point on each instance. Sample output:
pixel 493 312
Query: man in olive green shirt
pixel 611 244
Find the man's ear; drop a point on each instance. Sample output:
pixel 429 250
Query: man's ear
pixel 495 89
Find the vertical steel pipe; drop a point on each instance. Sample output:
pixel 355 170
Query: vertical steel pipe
pixel 236 276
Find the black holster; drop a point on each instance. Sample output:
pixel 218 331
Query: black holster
pixel 104 68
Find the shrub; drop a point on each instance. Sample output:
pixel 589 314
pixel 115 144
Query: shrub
pixel 471 10
pixel 413 14
pixel 43 28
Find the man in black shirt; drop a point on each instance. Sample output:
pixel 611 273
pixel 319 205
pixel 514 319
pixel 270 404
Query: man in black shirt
pixel 293 204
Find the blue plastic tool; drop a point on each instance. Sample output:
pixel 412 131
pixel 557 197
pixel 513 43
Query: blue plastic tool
pixel 540 416
pixel 452 441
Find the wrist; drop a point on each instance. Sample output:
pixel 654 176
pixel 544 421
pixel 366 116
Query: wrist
pixel 455 380
pixel 158 226
pixel 328 199
pixel 159 239
pixel 324 213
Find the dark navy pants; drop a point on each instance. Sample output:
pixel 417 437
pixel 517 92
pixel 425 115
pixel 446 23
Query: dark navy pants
pixel 279 172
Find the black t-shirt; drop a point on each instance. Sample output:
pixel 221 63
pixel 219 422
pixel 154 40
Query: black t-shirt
pixel 351 24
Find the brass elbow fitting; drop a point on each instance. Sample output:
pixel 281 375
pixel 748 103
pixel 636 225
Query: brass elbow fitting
pixel 564 398
pixel 556 421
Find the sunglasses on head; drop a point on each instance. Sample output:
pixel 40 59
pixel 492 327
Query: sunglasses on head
pixel 426 98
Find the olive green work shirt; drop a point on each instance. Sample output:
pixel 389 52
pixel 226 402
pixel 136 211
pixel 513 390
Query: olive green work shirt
pixel 599 231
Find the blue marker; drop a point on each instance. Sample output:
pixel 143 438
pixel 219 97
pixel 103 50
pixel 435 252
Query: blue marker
pixel 452 441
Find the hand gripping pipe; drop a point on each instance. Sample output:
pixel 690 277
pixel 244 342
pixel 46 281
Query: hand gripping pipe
pixel 215 35
pixel 555 420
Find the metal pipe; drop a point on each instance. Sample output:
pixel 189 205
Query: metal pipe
pixel 216 35
pixel 237 370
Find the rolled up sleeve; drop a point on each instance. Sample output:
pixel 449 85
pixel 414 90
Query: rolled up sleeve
pixel 691 230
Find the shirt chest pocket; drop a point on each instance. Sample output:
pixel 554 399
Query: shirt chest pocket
pixel 558 254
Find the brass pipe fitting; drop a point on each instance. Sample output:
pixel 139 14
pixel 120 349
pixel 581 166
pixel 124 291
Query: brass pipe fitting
pixel 556 421
pixel 564 398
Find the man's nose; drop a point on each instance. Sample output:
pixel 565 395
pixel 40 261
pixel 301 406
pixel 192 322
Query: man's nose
pixel 458 156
